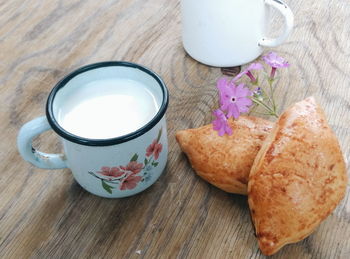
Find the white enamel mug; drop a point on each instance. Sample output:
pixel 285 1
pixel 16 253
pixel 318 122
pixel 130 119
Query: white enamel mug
pixel 114 167
pixel 226 33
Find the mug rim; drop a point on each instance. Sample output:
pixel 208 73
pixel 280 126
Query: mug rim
pixel 109 141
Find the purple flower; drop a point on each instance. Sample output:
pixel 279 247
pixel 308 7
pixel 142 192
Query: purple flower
pixel 223 84
pixel 275 61
pixel 258 94
pixel 220 124
pixel 234 99
pixel 247 71
pixel 257 91
pixel 254 66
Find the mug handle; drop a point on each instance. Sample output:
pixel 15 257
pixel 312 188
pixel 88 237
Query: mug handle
pixel 289 20
pixel 24 143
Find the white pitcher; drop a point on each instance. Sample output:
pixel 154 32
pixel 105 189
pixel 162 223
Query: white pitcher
pixel 226 33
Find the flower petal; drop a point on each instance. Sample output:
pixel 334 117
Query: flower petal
pixel 242 91
pixel 223 87
pixel 228 130
pixel 237 77
pixel 275 61
pixel 105 168
pixel 255 66
pixel 233 111
pixel 243 101
pixel 232 91
pixel 220 124
pixel 218 113
pixel 225 106
pixel 222 82
pixel 221 131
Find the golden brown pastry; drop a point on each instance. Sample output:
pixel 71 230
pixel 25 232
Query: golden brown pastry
pixel 297 179
pixel 225 161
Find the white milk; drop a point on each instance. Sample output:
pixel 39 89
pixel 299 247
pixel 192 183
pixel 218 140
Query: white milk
pixel 107 109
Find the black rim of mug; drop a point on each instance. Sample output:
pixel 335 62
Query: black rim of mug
pixel 111 141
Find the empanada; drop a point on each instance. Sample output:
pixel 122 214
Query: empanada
pixel 297 179
pixel 225 161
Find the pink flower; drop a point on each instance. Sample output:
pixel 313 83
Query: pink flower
pixel 233 99
pixel 158 148
pixel 150 148
pixel 275 61
pixel 111 171
pixel 130 182
pixel 254 66
pixel 133 167
pixel 154 148
pixel 220 124
pixel 222 84
pixel 247 71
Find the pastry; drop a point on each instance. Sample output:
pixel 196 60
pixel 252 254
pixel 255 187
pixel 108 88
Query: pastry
pixel 225 161
pixel 297 179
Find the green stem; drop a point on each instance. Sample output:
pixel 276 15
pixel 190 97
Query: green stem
pixel 262 113
pixel 253 109
pixel 265 94
pixel 271 111
pixel 103 179
pixel 272 95
pixel 261 103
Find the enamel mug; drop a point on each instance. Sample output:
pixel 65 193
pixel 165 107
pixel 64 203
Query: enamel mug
pixel 227 33
pixel 112 167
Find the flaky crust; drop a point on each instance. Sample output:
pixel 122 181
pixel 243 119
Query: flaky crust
pixel 225 161
pixel 298 177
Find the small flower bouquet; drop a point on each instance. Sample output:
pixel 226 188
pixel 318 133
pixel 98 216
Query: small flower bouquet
pixel 236 98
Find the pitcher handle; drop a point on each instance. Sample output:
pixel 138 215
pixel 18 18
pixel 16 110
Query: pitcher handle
pixel 289 21
pixel 24 143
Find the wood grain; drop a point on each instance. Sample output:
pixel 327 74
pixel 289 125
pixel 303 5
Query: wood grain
pixel 45 214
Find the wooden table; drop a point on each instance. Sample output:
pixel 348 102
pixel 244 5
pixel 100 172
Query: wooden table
pixel 46 214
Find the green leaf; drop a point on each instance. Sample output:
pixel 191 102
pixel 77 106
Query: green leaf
pixel 107 187
pixel 159 134
pixel 155 164
pixel 146 161
pixel 134 158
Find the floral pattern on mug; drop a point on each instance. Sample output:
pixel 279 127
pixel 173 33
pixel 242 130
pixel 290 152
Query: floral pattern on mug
pixel 154 149
pixel 129 176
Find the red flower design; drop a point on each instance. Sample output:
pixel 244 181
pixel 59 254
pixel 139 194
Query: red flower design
pixel 130 182
pixel 111 171
pixel 155 148
pixel 133 167
pixel 150 148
